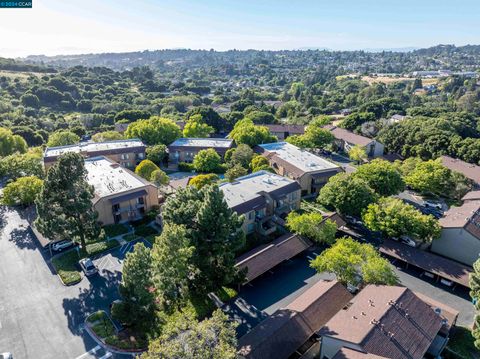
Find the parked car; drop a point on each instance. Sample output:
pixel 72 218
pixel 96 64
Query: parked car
pixel 88 267
pixel 430 204
pixel 61 245
pixel 405 240
pixel 6 356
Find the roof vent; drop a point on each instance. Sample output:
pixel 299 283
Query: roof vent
pixel 438 311
pixel 374 322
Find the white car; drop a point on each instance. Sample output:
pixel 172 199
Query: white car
pixel 406 240
pixel 6 356
pixel 61 245
pixel 88 267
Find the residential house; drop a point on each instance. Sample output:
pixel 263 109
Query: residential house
pixel 264 198
pixel 469 170
pixel 185 149
pixel 460 236
pixel 390 322
pixel 345 140
pixel 309 170
pixel 292 330
pixel 282 131
pixel 120 195
pixel 128 153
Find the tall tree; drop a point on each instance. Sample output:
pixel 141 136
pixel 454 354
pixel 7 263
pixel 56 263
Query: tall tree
pixel 154 131
pixel 213 338
pixel 313 226
pixel 382 176
pixel 474 284
pixel 207 161
pixel 171 265
pixel 10 143
pixel 62 138
pixel 64 205
pixel 22 191
pixel 196 127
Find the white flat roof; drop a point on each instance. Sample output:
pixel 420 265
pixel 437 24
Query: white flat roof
pixel 246 188
pixel 304 160
pixel 203 142
pixel 108 177
pixel 92 147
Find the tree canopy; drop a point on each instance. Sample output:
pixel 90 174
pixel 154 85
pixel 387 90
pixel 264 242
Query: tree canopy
pixel 313 226
pixel 22 191
pixel 207 160
pixel 62 138
pixel 10 143
pixel 382 176
pixel 246 132
pixel 156 130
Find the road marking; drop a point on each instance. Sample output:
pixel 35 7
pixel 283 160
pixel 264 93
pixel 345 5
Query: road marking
pixel 316 253
pixel 125 248
pixel 310 258
pixel 108 355
pixel 90 352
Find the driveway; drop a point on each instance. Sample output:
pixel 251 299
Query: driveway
pixel 39 317
pixel 273 290
pixel 457 298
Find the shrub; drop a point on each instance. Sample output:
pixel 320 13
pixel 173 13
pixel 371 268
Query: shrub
pixel 99 247
pixel 186 167
pixel 113 230
pixel 144 231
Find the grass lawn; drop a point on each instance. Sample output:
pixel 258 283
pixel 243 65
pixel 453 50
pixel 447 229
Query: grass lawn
pixel 101 324
pixel 130 237
pixel 127 340
pixel 66 267
pixel 66 264
pixel 114 230
pixel 144 231
pixel 461 345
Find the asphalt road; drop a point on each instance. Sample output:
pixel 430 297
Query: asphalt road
pixel 39 317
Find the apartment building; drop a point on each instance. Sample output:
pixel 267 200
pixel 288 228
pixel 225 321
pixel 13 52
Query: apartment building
pixel 309 170
pixel 120 195
pixel 127 153
pixel 388 322
pixel 264 198
pixel 282 131
pixel 345 140
pixel 185 149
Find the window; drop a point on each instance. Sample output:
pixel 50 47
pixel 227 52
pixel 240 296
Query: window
pixel 250 227
pixel 141 156
pixel 251 215
pixel 117 218
pixel 115 208
pixel 141 200
pixel 125 156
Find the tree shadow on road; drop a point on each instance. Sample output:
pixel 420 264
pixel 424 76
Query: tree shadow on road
pixel 101 291
pixel 23 239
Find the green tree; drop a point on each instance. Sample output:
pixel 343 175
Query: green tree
pixel 171 265
pixel 214 230
pixel 242 155
pixel 357 153
pixel 157 154
pixel 207 161
pixel 159 177
pixel 22 191
pixel 202 180
pixel 430 177
pixel 196 127
pixel 395 218
pixel 30 100
pixel 313 226
pixel 354 262
pixel 22 164
pixel 382 176
pixel 235 172
pixel 314 137
pixel 62 138
pixel 107 136
pixel 245 132
pixel 347 194
pixel 64 206
pixel 136 287
pixel 156 130
pixel 356 119
pixel 145 169
pixel 10 143
pixel 213 338
pixel 259 163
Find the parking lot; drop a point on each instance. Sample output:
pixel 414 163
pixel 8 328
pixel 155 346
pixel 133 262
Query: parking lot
pixel 39 317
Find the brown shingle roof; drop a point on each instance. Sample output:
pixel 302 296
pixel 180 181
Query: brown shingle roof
pixel 347 136
pixel 466 216
pixel 265 257
pixel 469 170
pixel 291 129
pixel 389 321
pixel 282 333
pixel 430 262
pixel 346 353
pixel 471 196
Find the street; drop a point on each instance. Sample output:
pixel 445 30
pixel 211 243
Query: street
pixel 39 317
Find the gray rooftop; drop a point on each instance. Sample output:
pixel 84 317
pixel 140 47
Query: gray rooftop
pixel 93 147
pixel 108 177
pixel 248 187
pixel 304 160
pixel 203 142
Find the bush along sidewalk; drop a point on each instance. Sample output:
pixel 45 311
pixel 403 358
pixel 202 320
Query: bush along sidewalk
pixel 100 325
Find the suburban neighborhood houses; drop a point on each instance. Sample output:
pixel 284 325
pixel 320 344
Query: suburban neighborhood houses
pixel 224 180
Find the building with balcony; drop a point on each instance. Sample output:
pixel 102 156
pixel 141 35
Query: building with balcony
pixel 127 153
pixel 185 149
pixel 309 170
pixel 264 198
pixel 120 195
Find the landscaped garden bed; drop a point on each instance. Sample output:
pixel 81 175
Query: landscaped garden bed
pixel 114 230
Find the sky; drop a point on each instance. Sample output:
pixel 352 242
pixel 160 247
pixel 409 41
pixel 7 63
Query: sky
pixel 54 27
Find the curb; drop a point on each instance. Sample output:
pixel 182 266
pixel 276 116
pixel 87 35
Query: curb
pixel 69 284
pixel 108 347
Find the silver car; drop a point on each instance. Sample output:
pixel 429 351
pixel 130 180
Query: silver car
pixel 6 356
pixel 88 267
pixel 61 245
